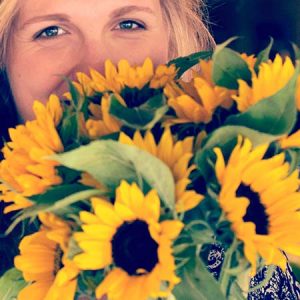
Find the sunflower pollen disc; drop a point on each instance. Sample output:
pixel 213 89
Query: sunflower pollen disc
pixel 135 97
pixel 256 211
pixel 133 248
pixel 58 255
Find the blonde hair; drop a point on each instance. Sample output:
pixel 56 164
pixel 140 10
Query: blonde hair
pixel 184 18
pixel 189 33
pixel 8 12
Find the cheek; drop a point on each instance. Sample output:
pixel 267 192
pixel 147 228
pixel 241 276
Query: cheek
pixel 157 51
pixel 41 71
pixel 35 74
pixel 136 50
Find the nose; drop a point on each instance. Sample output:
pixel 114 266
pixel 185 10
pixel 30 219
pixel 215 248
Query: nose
pixel 90 55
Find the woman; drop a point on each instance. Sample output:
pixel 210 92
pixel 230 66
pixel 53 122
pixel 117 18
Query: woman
pixel 60 38
pixel 43 41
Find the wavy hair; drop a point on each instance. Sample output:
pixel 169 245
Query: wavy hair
pixel 188 27
pixel 8 114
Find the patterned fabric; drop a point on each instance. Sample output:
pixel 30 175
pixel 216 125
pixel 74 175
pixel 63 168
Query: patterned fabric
pixel 281 286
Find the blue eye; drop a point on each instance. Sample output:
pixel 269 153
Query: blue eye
pixel 50 32
pixel 130 25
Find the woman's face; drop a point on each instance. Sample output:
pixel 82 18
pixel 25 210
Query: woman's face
pixel 57 38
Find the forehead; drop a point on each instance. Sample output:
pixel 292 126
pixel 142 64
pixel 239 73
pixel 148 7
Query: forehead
pixel 85 8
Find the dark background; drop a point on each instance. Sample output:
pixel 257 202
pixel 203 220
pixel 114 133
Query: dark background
pixel 255 21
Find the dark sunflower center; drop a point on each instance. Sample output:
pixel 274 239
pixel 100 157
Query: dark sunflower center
pixel 256 211
pixel 58 260
pixel 135 97
pixel 133 248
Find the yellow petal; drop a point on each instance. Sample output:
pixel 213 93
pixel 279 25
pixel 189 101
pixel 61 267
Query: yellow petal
pixel 68 291
pixel 220 164
pixel 114 284
pixel 99 231
pixel 36 291
pixel 96 261
pixel 105 212
pixel 152 206
pixel 66 274
pixel 171 228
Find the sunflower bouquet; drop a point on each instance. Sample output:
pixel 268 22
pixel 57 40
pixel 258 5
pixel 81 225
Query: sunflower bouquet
pixel 134 175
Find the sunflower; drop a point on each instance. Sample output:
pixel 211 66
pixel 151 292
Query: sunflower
pixel 163 76
pixel 82 85
pixel 250 60
pixel 115 78
pixel 176 155
pixel 197 100
pixel 101 122
pixel 44 263
pixel 124 75
pixel 135 77
pixel 261 200
pixel 128 235
pixel 271 78
pixel 25 172
pixel 291 141
pixel 131 86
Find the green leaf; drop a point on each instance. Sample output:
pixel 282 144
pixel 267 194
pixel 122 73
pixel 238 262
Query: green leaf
pixel 201 237
pixel 236 292
pixel 73 248
pixel 75 96
pixel 142 117
pixel 68 175
pixel 71 199
pixel 263 56
pixel 205 160
pixel 58 192
pixel 69 129
pixel 11 283
pixel 296 51
pixel 185 63
pixel 293 157
pixel 296 270
pixel 223 45
pixel 197 283
pixel 60 207
pixel 228 67
pixel 275 115
pixel 225 138
pixel 109 162
pixel 227 134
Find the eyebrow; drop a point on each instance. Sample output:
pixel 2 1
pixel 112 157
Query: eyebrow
pixel 129 9
pixel 65 18
pixel 52 17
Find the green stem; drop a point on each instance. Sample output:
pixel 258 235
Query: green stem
pixel 225 276
pixel 222 218
pixel 78 127
pixel 270 272
pixel 197 222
